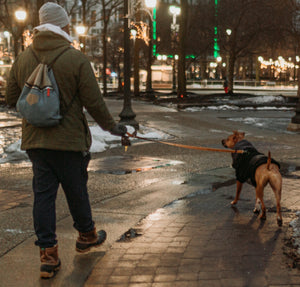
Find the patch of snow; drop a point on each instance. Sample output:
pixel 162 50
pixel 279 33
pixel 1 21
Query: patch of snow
pixel 265 99
pixel 16 231
pixel 13 153
pixel 295 224
pixel 101 141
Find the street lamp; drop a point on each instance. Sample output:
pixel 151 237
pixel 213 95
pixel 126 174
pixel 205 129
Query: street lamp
pixel 21 16
pixel 7 35
pixel 127 116
pixel 175 11
pixel 218 68
pixel 228 33
pixel 133 34
pixel 150 3
pixel 81 30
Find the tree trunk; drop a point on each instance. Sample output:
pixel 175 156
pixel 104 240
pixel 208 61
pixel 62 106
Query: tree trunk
pixel 136 59
pixel 181 91
pixel 231 62
pixel 16 44
pixel 203 69
pixel 296 118
pixel 84 3
pixel 149 90
pixel 136 68
pixel 120 85
pixel 104 50
pixel 39 4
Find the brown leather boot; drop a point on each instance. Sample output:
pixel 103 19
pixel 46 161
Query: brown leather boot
pixel 50 263
pixel 87 240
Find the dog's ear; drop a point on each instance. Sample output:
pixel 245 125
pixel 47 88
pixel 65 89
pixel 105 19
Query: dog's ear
pixel 242 135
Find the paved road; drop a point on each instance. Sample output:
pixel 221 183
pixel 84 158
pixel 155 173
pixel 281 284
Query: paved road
pixel 146 191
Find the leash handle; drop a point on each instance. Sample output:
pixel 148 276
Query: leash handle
pixel 186 146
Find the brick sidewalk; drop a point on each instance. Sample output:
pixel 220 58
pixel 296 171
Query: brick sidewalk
pixel 202 241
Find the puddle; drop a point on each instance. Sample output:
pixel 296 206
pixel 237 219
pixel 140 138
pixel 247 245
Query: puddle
pixel 217 185
pixel 127 164
pixel 290 171
pixel 8 124
pixel 130 235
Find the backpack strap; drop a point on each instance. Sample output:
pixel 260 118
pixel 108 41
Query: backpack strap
pixel 34 54
pixel 53 61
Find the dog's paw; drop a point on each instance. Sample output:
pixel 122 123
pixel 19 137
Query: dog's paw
pixel 263 217
pixel 279 221
pixel 234 202
pixel 256 210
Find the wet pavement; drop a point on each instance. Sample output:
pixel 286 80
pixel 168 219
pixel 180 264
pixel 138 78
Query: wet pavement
pixel 173 200
pixel 200 240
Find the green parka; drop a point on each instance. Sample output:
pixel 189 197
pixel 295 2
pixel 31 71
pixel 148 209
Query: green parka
pixel 74 76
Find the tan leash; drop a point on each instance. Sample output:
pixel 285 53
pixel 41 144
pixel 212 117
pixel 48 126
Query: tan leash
pixel 126 142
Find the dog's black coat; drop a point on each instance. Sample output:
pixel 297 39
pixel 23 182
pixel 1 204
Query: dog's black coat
pixel 245 164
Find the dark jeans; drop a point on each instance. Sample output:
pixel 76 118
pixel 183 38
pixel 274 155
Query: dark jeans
pixel 51 168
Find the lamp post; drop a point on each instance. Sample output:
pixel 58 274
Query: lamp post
pixel 127 116
pixel 228 33
pixel 175 11
pixel 21 16
pixel 7 35
pixel 218 68
pixel 150 4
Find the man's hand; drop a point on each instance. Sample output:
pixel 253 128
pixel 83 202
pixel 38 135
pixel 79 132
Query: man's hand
pixel 119 130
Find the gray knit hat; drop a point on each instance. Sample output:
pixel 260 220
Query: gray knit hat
pixel 52 13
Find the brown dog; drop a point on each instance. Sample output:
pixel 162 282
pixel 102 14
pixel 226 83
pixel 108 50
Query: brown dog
pixel 257 167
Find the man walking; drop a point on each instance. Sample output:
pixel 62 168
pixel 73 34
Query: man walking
pixel 60 154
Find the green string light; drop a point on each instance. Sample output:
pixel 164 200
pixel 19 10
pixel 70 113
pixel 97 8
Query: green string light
pixel 216 45
pixel 154 32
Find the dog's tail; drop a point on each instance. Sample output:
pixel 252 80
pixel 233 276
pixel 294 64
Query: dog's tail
pixel 269 160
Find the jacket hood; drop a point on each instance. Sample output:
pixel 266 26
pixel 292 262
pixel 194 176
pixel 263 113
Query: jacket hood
pixel 46 41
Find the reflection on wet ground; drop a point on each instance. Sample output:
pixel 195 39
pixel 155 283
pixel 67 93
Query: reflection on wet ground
pixel 128 164
pixel 290 171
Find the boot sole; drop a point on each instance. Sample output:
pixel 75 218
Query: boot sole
pixel 47 275
pixel 89 248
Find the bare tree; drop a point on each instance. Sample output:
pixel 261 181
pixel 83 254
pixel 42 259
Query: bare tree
pixel 247 20
pixel 115 52
pixel 181 90
pixel 7 18
pixel 200 33
pixel 108 8
pixel 291 22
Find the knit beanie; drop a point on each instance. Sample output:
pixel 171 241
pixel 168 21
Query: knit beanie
pixel 52 13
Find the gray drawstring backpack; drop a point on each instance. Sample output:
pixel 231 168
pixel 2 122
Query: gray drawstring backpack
pixel 39 102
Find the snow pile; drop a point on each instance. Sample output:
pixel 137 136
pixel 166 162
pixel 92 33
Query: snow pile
pixel 212 107
pixel 295 224
pixel 233 104
pixel 13 153
pixel 265 99
pixel 101 141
